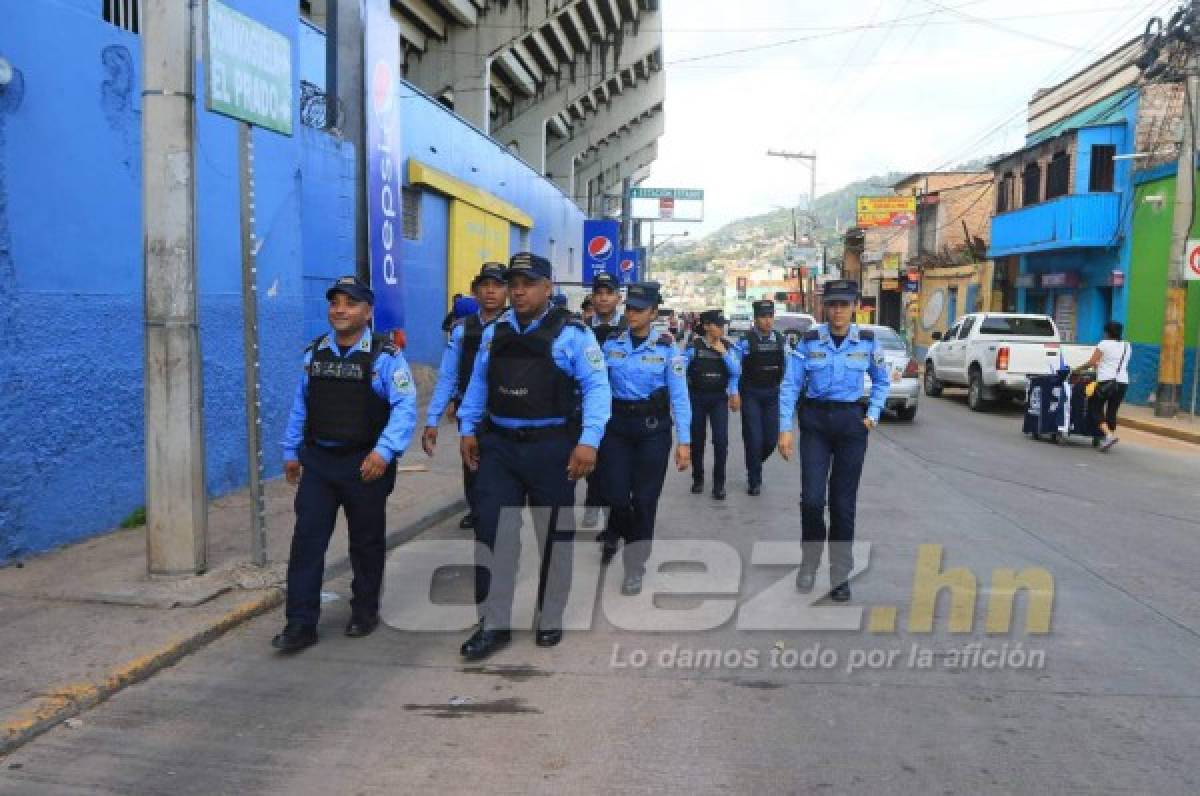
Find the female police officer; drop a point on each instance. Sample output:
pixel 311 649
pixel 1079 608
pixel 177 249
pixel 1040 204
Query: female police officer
pixel 648 385
pixel 826 371
pixel 712 377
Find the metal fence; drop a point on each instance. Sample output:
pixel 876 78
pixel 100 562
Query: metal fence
pixel 125 14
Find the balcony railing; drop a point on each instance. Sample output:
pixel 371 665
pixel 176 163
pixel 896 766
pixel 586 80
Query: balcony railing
pixel 1077 221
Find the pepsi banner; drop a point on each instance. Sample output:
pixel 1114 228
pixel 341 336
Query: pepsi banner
pixel 600 251
pixel 629 269
pixel 383 164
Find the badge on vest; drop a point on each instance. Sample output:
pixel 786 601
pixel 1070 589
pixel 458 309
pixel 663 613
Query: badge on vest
pixel 857 355
pixel 817 354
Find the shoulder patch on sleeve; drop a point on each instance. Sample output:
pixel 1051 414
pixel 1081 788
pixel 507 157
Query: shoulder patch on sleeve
pixel 678 366
pixel 402 379
pixel 594 357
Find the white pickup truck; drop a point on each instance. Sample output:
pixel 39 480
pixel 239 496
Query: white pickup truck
pixel 991 353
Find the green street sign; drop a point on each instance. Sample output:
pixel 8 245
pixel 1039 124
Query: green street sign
pixel 667 193
pixel 248 70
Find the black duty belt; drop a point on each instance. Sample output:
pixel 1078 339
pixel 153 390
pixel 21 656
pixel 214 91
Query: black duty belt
pixel 831 404
pixel 644 408
pixel 529 433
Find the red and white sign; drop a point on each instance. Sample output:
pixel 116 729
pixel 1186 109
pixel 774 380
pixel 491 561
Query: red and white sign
pixel 666 207
pixel 1191 269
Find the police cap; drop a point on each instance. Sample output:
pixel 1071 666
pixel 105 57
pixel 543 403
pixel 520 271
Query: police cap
pixel 840 290
pixel 493 271
pixel 605 280
pixel 764 308
pixel 353 287
pixel 643 295
pixel 712 316
pixel 530 266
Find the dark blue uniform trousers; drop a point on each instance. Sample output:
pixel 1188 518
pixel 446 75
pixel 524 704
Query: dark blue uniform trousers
pixel 331 479
pixel 634 457
pixel 760 428
pixel 833 445
pixel 513 473
pixel 710 407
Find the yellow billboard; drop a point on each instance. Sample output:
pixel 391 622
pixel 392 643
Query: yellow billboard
pixel 476 236
pixel 887 211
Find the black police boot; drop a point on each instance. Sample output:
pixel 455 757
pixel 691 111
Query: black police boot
pixel 718 491
pixel 362 626
pixel 840 593
pixel 468 521
pixel 805 580
pixel 484 641
pixel 548 637
pixel 632 585
pixel 754 490
pixel 295 637
pixel 697 486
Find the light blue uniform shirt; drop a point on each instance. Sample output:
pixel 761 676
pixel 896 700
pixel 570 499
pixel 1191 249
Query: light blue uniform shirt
pixel 447 381
pixel 635 373
pixel 733 361
pixel 575 352
pixel 391 380
pixel 828 373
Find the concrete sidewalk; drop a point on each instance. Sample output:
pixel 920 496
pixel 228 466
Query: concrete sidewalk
pixel 80 623
pixel 1184 427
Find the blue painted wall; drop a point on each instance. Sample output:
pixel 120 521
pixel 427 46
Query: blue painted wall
pixel 71 261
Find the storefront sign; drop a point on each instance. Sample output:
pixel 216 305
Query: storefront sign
pixel 889 284
pixel 1067 279
pixel 886 211
pixel 1026 280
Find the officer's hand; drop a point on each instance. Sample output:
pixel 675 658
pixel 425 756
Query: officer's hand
pixel 291 471
pixel 785 445
pixel 683 457
pixel 583 461
pixel 719 347
pixel 869 423
pixel 469 448
pixel 735 403
pixel 372 467
pixel 429 440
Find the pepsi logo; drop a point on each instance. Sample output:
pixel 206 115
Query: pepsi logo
pixel 626 265
pixel 381 88
pixel 600 248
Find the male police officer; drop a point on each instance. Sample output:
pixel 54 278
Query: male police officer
pixel 607 321
pixel 648 386
pixel 762 351
pixel 826 372
pixel 524 430
pixel 491 293
pixel 712 376
pixel 352 418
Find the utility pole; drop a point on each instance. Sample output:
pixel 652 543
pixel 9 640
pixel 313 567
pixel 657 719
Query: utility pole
pixel 626 214
pixel 812 173
pixel 1170 365
pixel 176 501
pixel 344 92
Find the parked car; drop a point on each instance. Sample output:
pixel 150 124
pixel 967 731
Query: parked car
pixel 793 325
pixel 740 322
pixel 991 354
pixel 904 389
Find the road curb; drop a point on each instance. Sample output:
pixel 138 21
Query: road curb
pixel 1161 430
pixel 69 700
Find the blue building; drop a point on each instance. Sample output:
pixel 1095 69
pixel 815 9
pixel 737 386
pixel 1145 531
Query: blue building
pixel 71 256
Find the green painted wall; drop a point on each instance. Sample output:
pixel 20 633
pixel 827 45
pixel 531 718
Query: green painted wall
pixel 1148 266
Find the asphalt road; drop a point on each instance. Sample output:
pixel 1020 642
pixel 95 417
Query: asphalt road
pixel 1113 707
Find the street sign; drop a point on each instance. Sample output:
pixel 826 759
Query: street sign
pixel 248 70
pixel 384 161
pixel 667 204
pixel 1192 272
pixel 600 250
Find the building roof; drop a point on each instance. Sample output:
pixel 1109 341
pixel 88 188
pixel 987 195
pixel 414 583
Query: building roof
pixel 1109 110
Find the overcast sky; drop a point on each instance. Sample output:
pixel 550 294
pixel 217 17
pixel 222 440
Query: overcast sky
pixel 930 85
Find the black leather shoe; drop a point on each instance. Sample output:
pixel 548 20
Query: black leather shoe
pixel 718 493
pixel 840 593
pixel 295 638
pixel 697 487
pixel 805 581
pixel 610 550
pixel 754 490
pixel 483 642
pixel 632 585
pixel 468 521
pixel 548 638
pixel 357 628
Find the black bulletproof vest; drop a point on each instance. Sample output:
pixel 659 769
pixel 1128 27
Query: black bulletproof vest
pixel 342 405
pixel 606 331
pixel 707 372
pixel 763 365
pixel 472 337
pixel 523 381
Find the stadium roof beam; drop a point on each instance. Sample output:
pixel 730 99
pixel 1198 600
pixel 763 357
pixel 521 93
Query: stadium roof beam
pixel 424 15
pixel 461 11
pixel 507 63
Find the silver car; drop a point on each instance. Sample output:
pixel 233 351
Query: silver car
pixel 904 391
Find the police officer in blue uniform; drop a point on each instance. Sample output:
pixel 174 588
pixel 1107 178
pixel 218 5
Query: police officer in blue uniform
pixel 826 374
pixel 763 351
pixel 352 418
pixel 491 294
pixel 712 377
pixel 531 421
pixel 606 321
pixel 649 384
